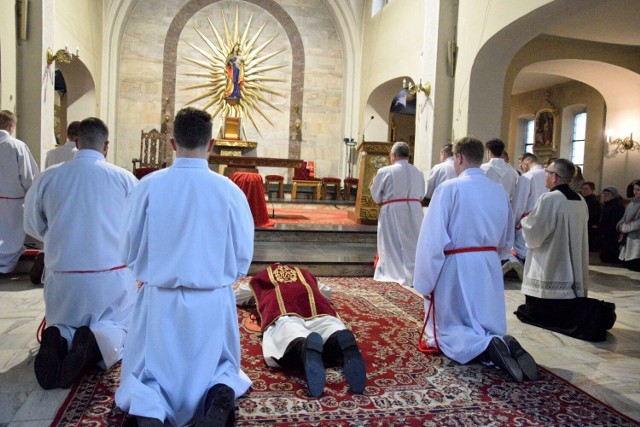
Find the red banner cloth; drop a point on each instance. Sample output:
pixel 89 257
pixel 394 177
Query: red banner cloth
pixel 252 186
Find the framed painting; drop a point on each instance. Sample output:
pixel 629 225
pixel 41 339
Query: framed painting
pixel 544 130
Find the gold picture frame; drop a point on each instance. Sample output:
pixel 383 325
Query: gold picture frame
pixel 544 135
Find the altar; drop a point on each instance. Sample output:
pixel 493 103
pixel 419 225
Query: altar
pixel 249 164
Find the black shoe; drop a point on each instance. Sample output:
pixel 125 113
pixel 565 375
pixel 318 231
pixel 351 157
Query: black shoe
pixel 219 407
pixel 35 275
pixel 313 366
pixel 499 355
pixel 522 357
pixel 608 315
pixel 148 422
pixel 354 367
pixel 53 348
pixel 84 352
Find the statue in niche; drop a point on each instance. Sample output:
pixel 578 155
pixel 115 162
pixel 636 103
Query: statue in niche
pixel 235 75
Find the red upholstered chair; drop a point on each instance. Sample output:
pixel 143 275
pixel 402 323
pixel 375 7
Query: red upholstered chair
pixel 140 172
pixel 349 183
pixel 333 183
pixel 302 177
pixel 275 179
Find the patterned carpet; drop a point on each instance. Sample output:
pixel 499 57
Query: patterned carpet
pixel 404 388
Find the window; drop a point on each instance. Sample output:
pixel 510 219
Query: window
pixel 578 139
pixel 528 137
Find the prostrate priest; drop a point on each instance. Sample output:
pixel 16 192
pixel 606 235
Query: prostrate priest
pixel 75 208
pixel 399 190
pixel 17 171
pixel 301 330
pixel 465 233
pixel 557 266
pixel 188 236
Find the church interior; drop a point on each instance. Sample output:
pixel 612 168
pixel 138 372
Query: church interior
pixel 328 85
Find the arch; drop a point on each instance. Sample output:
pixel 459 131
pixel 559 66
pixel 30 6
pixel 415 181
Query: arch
pixel 81 90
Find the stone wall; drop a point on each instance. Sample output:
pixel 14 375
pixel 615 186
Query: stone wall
pixel 314 78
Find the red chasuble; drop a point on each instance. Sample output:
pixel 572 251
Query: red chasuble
pixel 283 290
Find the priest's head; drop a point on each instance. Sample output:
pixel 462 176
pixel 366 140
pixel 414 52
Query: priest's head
pixel 400 151
pixel 93 134
pixel 468 152
pixel 559 172
pixel 192 133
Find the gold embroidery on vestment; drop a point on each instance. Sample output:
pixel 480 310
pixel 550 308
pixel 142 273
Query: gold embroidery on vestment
pixel 277 288
pixel 312 300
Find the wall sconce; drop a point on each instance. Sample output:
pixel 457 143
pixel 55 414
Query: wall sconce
pixel 624 144
pixel 413 88
pixel 62 55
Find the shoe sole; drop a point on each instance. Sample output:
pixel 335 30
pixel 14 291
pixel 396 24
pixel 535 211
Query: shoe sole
pixel 499 354
pixel 222 410
pixel 313 367
pixel 354 367
pixel 47 362
pixel 525 361
pixel 78 358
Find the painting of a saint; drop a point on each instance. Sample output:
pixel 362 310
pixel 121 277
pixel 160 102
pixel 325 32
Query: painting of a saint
pixel 235 74
pixel 544 130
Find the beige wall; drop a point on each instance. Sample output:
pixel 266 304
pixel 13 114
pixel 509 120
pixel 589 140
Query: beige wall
pixel 7 56
pixel 563 97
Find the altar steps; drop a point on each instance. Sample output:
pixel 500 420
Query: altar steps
pixel 325 250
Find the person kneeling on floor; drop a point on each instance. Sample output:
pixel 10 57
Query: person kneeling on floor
pixel 301 330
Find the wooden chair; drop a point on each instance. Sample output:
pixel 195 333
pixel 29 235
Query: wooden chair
pixel 331 183
pixel 275 179
pixel 349 184
pixel 303 178
pixel 154 153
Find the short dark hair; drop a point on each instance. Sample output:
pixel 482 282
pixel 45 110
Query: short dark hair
pixel 401 149
pixel 7 118
pixel 447 150
pixel 590 184
pixel 192 128
pixel 565 169
pixel 495 146
pixel 529 157
pixel 72 129
pixel 92 133
pixel 471 148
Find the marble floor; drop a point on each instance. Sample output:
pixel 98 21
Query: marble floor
pixel 610 371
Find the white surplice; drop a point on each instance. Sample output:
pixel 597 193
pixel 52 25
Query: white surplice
pixel 502 173
pixel 188 236
pixel 556 233
pixel 75 208
pixel 399 222
pixel 438 174
pixel 60 154
pixel 17 171
pixel 531 185
pixel 470 211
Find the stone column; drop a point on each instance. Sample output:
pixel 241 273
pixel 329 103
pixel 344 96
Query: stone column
pixel 35 94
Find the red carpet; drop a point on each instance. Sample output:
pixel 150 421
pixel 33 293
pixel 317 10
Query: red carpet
pixel 404 388
pixel 314 215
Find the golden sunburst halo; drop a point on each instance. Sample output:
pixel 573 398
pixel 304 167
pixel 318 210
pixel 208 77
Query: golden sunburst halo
pixel 234 70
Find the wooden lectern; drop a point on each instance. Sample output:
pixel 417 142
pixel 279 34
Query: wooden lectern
pixel 374 156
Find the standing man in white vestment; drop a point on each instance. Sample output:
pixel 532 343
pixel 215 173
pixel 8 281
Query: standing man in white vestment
pixel 531 185
pixel 17 171
pixel 75 208
pixel 499 170
pixel 466 231
pixel 441 172
pixel 67 150
pixel 557 265
pixel 399 190
pixel 188 237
